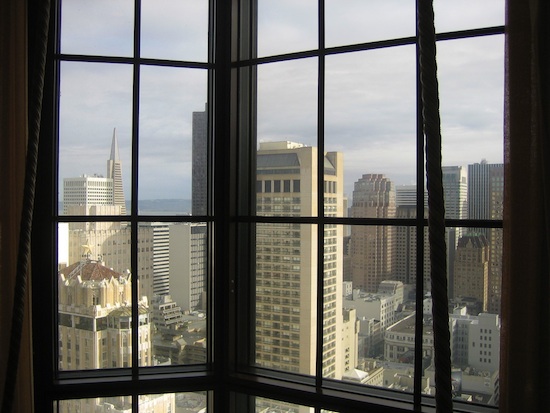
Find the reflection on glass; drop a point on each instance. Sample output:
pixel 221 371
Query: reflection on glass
pixel 264 405
pixel 286 26
pixel 174 29
pixel 370 114
pixel 173 259
pixel 94 297
pixel 95 138
pixel 469 14
pixel 359 21
pixel 169 99
pixel 99 27
pixel 287 101
pixel 151 403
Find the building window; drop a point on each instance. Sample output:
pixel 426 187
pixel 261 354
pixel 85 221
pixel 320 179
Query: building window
pixel 225 276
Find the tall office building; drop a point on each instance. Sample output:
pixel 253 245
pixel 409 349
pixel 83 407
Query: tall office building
pixel 405 239
pixel 161 257
pixel 455 193
pixel 479 188
pixel 188 259
pixel 85 191
pixel 372 248
pixel 114 172
pixel 286 260
pixel 200 163
pixel 471 269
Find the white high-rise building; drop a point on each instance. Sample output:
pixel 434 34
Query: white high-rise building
pixel 188 261
pixel 286 260
pixel 87 190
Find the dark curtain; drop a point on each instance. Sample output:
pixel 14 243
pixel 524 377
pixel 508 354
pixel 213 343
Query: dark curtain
pixel 525 348
pixel 13 147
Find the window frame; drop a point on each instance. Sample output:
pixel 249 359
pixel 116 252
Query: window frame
pixel 228 376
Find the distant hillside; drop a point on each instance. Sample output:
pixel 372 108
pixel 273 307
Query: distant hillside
pixel 163 206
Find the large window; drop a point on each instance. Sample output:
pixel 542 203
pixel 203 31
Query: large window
pixel 239 207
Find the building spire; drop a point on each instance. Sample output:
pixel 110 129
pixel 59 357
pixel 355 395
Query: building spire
pixel 114 147
pixel 114 171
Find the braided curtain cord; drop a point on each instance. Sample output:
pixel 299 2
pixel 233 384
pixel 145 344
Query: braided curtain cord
pixel 436 206
pixel 38 37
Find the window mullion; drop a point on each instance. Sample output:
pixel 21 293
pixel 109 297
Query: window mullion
pixel 320 192
pixel 134 197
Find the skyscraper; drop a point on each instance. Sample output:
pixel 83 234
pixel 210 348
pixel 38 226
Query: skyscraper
pixel 114 172
pixel 455 193
pixel 286 260
pixel 372 248
pixel 85 191
pixel 188 264
pixel 95 332
pixel 200 162
pixel 479 191
pixel 471 269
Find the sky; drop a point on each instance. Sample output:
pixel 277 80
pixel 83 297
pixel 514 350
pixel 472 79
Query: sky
pixel 370 109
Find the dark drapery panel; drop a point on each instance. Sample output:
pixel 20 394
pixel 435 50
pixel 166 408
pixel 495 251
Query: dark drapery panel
pixel 13 142
pixel 525 349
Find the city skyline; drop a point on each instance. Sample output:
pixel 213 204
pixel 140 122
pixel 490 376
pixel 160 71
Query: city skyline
pixel 374 125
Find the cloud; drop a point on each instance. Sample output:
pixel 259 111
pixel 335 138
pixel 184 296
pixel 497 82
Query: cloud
pixel 370 97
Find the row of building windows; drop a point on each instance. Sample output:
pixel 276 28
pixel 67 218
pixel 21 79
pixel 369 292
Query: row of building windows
pixel 277 186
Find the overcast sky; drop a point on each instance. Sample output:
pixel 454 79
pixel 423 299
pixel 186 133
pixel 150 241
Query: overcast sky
pixel 370 109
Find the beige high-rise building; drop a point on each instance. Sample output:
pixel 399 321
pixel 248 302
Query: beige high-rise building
pixel 471 268
pixel 110 243
pixel 372 248
pixel 286 260
pixel 95 331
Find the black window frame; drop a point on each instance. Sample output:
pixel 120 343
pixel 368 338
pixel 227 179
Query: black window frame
pixel 228 376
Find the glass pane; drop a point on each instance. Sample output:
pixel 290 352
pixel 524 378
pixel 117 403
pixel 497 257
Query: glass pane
pixel 152 403
pixel 359 21
pixel 174 29
pixel 169 99
pixel 95 126
pixel 287 102
pixel 173 259
pixel 475 275
pixel 99 27
pixel 94 296
pixel 468 14
pixel 264 405
pixel 471 79
pixel 286 26
pixel 370 117
pixel 195 402
pixel 286 297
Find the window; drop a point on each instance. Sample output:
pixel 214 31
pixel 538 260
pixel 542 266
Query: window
pixel 197 273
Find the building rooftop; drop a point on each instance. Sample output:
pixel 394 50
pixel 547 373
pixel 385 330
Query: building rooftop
pixel 89 270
